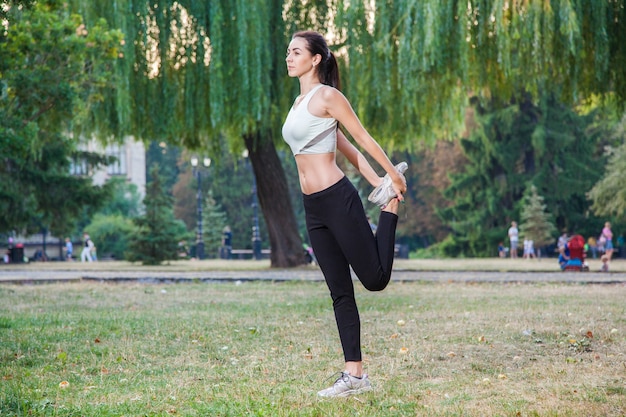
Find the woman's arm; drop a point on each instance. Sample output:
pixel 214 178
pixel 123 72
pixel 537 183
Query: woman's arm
pixel 337 106
pixel 357 159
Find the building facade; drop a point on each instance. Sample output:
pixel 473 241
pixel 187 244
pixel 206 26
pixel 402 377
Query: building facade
pixel 130 163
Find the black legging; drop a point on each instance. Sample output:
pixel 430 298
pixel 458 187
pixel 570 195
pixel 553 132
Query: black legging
pixel 341 237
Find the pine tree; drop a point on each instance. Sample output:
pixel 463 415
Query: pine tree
pixel 214 219
pixel 514 144
pixel 158 231
pixel 535 221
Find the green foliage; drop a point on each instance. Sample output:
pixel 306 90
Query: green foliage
pixel 195 70
pixel 111 233
pixel 52 69
pixel 214 220
pixel 125 199
pixel 156 239
pixel 228 183
pixel 412 63
pixel 609 194
pixel 167 158
pixel 518 144
pixel 535 222
pixel 407 66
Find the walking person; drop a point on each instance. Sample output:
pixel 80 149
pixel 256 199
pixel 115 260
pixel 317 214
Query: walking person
pixel 335 217
pixel 85 255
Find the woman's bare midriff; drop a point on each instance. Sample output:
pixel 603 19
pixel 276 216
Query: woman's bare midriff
pixel 317 172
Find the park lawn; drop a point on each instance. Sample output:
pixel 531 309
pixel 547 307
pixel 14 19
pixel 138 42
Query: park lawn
pixel 265 349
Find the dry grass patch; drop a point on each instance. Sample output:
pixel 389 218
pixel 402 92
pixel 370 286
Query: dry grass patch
pixel 264 349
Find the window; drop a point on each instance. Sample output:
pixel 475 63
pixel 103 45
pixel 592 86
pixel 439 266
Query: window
pixel 117 167
pixel 79 167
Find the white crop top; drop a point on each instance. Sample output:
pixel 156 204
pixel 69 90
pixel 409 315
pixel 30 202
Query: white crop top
pixel 309 134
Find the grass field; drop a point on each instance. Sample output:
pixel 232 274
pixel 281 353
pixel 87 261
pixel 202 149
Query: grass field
pixel 265 349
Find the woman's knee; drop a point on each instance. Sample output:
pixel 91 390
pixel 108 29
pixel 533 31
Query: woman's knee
pixel 378 284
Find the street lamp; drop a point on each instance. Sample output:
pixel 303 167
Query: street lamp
pixel 196 171
pixel 256 235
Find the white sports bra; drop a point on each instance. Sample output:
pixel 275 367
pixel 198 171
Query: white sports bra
pixel 309 134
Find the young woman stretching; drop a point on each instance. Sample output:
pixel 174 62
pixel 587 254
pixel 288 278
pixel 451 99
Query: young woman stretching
pixel 336 221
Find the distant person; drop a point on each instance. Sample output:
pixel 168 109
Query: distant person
pixel 501 250
pixel 593 246
pixel 607 235
pixel 94 252
pixel 513 239
pixel 69 249
pixel 562 242
pixel 529 249
pixel 85 255
pixel 563 256
pixel 227 242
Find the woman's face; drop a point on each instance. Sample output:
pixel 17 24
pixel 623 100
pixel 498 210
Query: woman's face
pixel 299 59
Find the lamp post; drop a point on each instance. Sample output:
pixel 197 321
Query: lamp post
pixel 256 235
pixel 199 236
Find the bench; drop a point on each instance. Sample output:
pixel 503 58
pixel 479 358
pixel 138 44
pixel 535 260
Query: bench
pixel 248 253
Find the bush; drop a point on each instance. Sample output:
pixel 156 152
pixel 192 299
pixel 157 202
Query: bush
pixel 110 234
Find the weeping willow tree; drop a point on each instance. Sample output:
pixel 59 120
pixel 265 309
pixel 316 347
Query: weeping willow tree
pixel 194 70
pixel 413 64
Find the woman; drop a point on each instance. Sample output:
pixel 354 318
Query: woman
pixel 336 221
pixel 608 240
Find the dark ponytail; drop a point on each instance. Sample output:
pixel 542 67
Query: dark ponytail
pixel 327 70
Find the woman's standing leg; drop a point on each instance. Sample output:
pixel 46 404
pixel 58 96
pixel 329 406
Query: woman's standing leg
pixel 341 237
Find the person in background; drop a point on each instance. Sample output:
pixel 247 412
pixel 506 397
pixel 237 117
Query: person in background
pixel 94 252
pixel 608 240
pixel 593 246
pixel 85 255
pixel 513 239
pixel 226 248
pixel 69 249
pixel 529 248
pixel 563 256
pixel 501 250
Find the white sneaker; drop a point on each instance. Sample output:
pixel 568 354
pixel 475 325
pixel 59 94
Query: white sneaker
pixel 347 385
pixel 384 193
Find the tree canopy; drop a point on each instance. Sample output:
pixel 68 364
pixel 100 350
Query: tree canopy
pixel 408 66
pixel 52 70
pixel 189 71
pixel 413 64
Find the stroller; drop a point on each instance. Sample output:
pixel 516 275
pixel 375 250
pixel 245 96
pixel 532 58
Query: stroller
pixel 576 248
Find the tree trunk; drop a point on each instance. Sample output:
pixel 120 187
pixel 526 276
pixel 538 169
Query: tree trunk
pixel 273 194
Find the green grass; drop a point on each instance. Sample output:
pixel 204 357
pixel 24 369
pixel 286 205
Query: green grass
pixel 265 349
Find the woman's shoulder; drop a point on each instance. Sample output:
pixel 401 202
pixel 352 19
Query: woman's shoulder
pixel 328 92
